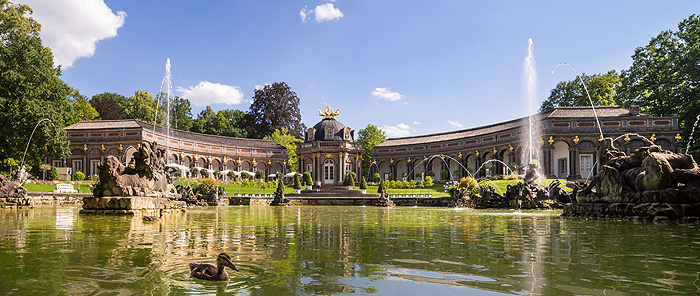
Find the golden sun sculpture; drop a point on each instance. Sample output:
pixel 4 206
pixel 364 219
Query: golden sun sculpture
pixel 328 112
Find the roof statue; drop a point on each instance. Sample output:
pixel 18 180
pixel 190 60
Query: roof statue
pixel 328 112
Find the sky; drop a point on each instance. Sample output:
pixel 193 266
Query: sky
pixel 409 67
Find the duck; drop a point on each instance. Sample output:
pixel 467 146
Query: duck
pixel 213 273
pixel 154 218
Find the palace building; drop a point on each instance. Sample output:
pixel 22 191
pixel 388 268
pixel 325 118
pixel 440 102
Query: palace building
pixel 566 146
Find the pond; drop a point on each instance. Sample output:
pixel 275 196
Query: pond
pixel 345 250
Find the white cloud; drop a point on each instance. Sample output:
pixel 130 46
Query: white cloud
pixel 455 124
pixel 304 13
pixel 322 13
pixel 72 28
pixel 399 130
pixel 416 123
pixel 384 93
pixel 327 12
pixel 207 93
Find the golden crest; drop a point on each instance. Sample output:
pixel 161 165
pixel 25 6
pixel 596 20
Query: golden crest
pixel 328 112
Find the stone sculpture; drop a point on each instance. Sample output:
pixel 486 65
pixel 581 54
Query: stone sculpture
pixel 11 190
pixel 144 176
pixel 649 183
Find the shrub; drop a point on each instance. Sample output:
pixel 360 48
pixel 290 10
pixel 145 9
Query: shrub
pixel 457 173
pixel 444 174
pixel 245 176
pixel 470 185
pixel 381 189
pixel 53 176
pixel 217 174
pixel 78 176
pixel 418 175
pixel 297 183
pixel 259 175
pixel 377 176
pixel 428 181
pixel 363 184
pixel 280 185
pixel 430 174
pixel 195 172
pixel 307 179
pixel 204 186
pixel 204 173
pixel 231 175
pixel 349 180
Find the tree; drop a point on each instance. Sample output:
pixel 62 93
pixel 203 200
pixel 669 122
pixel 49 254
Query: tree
pixel 369 137
pixel 203 123
pixel 83 111
pixel 54 176
pixel 363 184
pixel 274 106
pixel 181 114
pixel 30 90
pixel 142 106
pixel 283 137
pixel 110 106
pixel 603 89
pixel 664 78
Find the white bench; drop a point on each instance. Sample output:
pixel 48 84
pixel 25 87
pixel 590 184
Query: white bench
pixel 65 188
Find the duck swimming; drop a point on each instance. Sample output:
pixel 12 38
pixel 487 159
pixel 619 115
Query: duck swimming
pixel 213 273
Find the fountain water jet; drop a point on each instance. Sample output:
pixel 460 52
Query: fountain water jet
pixel 531 86
pixel 32 135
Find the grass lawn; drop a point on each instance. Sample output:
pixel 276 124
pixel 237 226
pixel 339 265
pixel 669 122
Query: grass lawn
pixel 237 189
pixel 50 187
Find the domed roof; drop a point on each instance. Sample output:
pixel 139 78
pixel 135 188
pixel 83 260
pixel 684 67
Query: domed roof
pixel 330 124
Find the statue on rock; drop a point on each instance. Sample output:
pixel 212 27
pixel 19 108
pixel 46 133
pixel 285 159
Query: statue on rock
pixel 144 176
pixel 649 183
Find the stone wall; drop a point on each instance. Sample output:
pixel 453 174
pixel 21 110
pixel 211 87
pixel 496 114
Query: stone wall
pixel 34 199
pixel 341 201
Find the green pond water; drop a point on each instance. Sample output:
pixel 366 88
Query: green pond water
pixel 345 250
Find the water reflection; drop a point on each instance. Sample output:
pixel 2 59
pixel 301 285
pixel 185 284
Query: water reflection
pixel 342 250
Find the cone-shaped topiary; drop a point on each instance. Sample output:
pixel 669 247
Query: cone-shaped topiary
pixel 280 185
pixel 297 183
pixel 381 189
pixel 363 184
pixel 307 179
pixel 53 176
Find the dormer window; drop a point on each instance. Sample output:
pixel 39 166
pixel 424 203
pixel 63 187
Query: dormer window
pixel 310 134
pixel 329 134
pixel 346 135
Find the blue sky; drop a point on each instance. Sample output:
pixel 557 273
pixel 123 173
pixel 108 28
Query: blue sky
pixel 411 67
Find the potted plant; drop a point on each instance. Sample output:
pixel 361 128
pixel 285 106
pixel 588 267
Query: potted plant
pixel 308 181
pixel 363 186
pixel 79 176
pixel 297 185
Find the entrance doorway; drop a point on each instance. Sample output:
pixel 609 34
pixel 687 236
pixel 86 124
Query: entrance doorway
pixel 328 172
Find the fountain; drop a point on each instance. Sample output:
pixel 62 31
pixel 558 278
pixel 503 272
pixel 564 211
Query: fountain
pixel 143 186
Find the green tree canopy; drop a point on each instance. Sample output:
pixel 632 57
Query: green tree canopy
pixel 30 90
pixel 664 78
pixel 110 106
pixel 83 110
pixel 274 106
pixel 369 136
pixel 181 114
pixel 142 106
pixel 603 89
pixel 283 137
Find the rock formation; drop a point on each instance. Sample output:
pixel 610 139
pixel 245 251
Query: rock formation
pixel 144 176
pixel 651 183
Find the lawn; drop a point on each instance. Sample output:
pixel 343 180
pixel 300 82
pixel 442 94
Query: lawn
pixel 236 189
pixel 51 187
